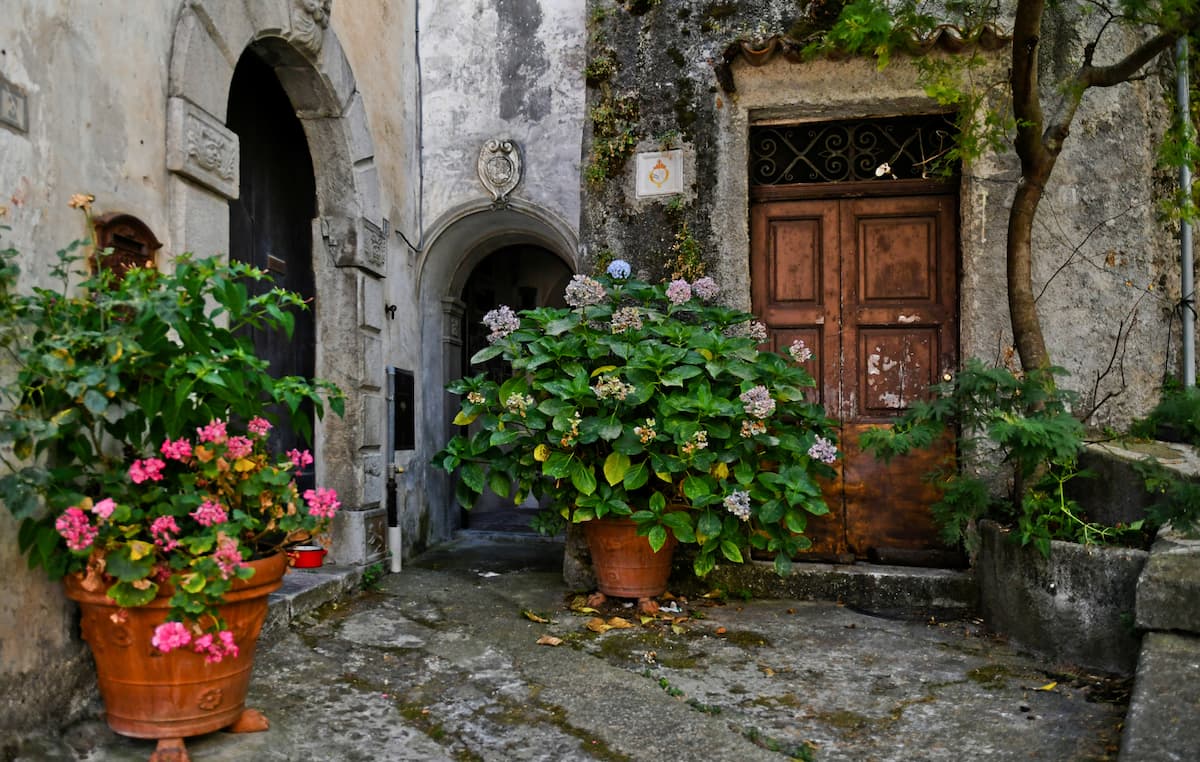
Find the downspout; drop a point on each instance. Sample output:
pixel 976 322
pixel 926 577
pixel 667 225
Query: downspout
pixel 1186 286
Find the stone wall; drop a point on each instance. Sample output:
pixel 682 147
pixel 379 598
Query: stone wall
pixel 1107 263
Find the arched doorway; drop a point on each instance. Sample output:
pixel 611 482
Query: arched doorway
pixel 522 276
pixel 270 223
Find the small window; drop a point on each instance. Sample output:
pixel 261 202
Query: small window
pixel 131 241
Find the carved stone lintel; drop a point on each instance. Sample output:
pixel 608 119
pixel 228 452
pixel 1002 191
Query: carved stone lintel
pixel 200 148
pixel 309 19
pixel 356 242
pixel 500 168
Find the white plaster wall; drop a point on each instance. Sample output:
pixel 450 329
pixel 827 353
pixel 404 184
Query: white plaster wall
pixel 96 125
pixel 502 68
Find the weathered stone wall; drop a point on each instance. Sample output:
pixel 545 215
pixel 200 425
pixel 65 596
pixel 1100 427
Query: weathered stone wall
pixel 1107 263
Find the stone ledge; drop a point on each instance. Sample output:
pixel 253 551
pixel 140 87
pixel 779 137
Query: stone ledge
pixel 1161 723
pixel 305 590
pixel 1168 591
pixel 899 591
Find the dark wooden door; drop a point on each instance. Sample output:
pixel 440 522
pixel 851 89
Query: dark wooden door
pixel 870 284
pixel 270 223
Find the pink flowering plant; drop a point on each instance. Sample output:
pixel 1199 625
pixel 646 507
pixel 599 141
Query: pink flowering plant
pixel 652 402
pixel 135 436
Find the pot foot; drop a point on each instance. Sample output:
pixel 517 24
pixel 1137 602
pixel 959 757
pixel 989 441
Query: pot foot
pixel 250 721
pixel 648 606
pixel 170 750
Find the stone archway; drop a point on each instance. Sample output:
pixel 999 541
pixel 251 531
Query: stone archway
pixel 349 233
pixel 459 242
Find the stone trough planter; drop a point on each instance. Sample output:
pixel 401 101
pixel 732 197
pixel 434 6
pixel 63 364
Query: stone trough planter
pixel 1076 607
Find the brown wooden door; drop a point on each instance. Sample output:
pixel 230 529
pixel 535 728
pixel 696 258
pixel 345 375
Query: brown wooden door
pixel 870 284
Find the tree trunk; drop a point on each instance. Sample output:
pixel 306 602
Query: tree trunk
pixel 1022 308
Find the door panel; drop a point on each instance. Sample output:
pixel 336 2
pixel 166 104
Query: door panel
pixel 870 284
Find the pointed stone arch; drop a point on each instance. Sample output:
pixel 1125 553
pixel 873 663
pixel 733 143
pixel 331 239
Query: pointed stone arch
pixel 350 233
pixel 458 241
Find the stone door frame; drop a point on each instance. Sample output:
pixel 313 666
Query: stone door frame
pixel 350 234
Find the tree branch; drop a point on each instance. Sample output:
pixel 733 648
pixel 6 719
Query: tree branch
pixel 1027 105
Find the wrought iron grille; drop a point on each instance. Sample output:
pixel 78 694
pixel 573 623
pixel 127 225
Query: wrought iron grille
pixel 829 152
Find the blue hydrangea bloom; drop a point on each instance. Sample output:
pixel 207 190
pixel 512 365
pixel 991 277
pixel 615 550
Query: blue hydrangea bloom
pixel 619 269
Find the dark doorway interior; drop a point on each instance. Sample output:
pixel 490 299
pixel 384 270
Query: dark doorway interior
pixel 522 277
pixel 270 224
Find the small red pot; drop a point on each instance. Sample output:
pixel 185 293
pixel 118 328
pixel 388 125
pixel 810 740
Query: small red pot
pixel 306 556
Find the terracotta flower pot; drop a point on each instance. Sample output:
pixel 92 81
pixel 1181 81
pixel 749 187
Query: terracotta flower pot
pixel 626 566
pixel 150 694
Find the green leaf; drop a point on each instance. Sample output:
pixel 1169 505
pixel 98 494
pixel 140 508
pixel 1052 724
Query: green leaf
pixel 124 568
pixel 616 465
pixel 95 402
pixel 681 525
pixel 499 482
pixel 783 564
pixel 657 537
pixel 637 476
pixel 583 477
pixel 703 564
pixel 125 594
pixel 795 521
pixel 472 476
pixel 708 525
pixel 730 551
pixel 486 354
pixel 695 488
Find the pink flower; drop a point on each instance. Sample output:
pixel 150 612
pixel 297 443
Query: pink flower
pixel 163 529
pixel 706 288
pixel 322 502
pixel 149 469
pixel 104 508
pixel 217 649
pixel 210 513
pixel 170 635
pixel 678 291
pixel 75 528
pixel 300 459
pixel 180 449
pixel 259 426
pixel 239 447
pixel 213 432
pixel 228 555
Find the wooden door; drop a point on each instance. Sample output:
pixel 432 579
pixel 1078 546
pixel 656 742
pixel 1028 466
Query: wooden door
pixel 870 284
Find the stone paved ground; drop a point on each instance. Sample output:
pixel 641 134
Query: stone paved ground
pixel 438 663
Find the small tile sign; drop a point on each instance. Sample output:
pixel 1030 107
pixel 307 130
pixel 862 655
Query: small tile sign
pixel 14 110
pixel 659 173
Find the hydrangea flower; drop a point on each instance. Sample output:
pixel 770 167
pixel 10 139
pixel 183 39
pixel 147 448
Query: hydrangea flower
pixel 475 398
pixel 626 318
pixel 646 433
pixel 583 291
pixel 502 321
pixel 800 351
pixel 758 402
pixel 706 288
pixel 618 269
pixel 823 450
pixel 695 443
pixel 678 291
pixel 610 386
pixel 738 503
pixel 752 428
pixel 518 403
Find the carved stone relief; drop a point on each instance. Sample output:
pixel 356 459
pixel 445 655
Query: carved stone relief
pixel 356 243
pixel 500 168
pixel 201 148
pixel 309 19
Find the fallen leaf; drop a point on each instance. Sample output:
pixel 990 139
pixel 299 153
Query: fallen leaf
pixel 534 617
pixel 617 623
pixel 648 606
pixel 768 671
pixel 677 629
pixel 646 619
pixel 713 594
pixel 549 640
pixel 721 630
pixel 596 599
pixel 1048 686
pixel 667 597
pixel 586 610
pixel 596 624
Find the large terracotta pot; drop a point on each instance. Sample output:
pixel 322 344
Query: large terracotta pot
pixel 150 694
pixel 626 566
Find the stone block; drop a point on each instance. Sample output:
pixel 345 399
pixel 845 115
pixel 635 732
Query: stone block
pixel 1077 606
pixel 201 148
pixel 373 477
pixel 366 180
pixel 371 431
pixel 200 70
pixel 361 145
pixel 370 302
pixel 1161 723
pixel 359 536
pixel 336 71
pixel 1168 591
pixel 270 17
pixel 229 24
pixel 371 371
pixel 199 219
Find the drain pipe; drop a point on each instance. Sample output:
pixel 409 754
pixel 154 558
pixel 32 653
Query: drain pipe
pixel 1186 285
pixel 394 539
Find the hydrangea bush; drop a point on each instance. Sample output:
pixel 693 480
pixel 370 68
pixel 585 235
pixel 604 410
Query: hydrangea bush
pixel 134 432
pixel 652 402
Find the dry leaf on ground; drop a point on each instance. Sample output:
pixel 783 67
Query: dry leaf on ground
pixel 617 623
pixel 534 617
pixel 549 640
pixel 596 624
